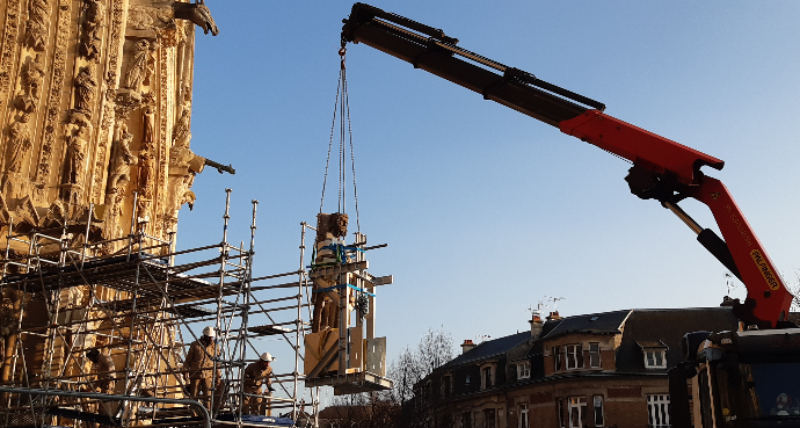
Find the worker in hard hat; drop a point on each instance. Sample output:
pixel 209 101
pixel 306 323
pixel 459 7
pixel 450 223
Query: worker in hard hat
pixel 200 365
pixel 257 374
pixel 104 382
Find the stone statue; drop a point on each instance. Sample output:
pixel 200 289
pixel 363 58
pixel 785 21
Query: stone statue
pixel 93 30
pixel 183 166
pixel 331 230
pixel 38 23
pixel 197 13
pixel 121 161
pixel 138 69
pixel 19 143
pixel 181 136
pixel 31 81
pixel 85 88
pixel 76 155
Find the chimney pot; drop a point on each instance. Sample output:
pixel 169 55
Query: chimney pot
pixel 536 325
pixel 466 346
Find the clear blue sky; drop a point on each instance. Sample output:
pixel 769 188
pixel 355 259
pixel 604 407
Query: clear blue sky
pixel 486 211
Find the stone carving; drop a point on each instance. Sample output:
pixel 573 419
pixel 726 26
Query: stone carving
pixel 77 147
pixel 19 144
pixel 38 24
pixel 146 154
pixel 110 113
pixel 85 89
pixel 141 67
pixel 197 13
pixel 52 110
pixel 145 18
pixel 183 166
pixel 331 230
pixel 31 81
pixel 56 214
pixel 121 161
pixel 26 211
pixel 181 134
pixel 93 30
pixel 9 44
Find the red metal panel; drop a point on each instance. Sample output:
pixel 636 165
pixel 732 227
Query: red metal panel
pixel 758 273
pixel 654 152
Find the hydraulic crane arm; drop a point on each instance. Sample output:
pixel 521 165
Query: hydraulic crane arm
pixel 663 169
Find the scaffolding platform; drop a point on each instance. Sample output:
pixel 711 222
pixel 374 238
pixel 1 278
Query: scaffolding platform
pixel 142 311
pixel 352 383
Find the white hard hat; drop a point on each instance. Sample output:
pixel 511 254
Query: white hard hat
pixel 266 356
pixel 209 331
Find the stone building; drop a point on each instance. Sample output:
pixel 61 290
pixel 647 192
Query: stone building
pixel 95 119
pixel 597 370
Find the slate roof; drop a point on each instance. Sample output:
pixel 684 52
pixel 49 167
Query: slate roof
pixel 490 348
pixel 667 326
pixel 602 323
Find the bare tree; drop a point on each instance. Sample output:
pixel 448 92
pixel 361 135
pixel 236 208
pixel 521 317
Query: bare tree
pixel 435 349
pixel 794 287
pixel 404 373
pixel 369 410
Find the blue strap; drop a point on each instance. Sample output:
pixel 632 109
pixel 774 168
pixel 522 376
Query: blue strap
pixel 336 287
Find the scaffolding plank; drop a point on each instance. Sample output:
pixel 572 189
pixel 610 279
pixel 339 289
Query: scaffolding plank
pixel 352 383
pixel 269 330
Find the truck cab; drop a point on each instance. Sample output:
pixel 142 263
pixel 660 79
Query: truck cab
pixel 739 379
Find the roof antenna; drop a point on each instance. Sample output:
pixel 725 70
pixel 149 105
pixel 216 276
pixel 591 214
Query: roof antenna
pixel 482 337
pixel 729 283
pixel 555 301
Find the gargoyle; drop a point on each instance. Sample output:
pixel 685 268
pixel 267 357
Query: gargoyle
pixel 198 13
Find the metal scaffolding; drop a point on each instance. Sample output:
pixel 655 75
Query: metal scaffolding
pixel 140 303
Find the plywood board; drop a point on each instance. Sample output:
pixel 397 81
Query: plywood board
pixel 315 350
pixel 356 347
pixel 376 356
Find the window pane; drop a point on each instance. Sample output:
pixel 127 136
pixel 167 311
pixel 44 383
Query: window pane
pixel 570 351
pixel 598 410
pixel 659 358
pixel 650 359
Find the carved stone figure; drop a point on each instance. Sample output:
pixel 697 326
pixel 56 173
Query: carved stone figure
pixel 197 13
pixel 144 18
pixel 38 24
pixel 31 81
pixel 19 144
pixel 121 161
pixel 85 89
pixel 331 230
pixel 139 65
pixel 183 166
pixel 181 136
pixel 93 30
pixel 78 144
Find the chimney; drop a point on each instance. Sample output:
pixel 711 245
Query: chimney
pixel 553 316
pixel 466 346
pixel 536 325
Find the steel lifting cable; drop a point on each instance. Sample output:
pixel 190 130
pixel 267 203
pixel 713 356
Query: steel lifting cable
pixel 346 103
pixel 341 108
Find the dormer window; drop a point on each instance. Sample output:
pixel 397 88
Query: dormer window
pixel 574 354
pixel 447 385
pixel 655 354
pixel 524 370
pixel 488 378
